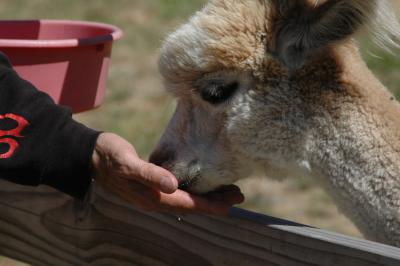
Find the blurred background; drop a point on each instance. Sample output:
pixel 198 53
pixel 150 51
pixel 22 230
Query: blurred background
pixel 138 108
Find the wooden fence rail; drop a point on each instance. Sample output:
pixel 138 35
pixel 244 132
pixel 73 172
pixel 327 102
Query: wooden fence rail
pixel 42 227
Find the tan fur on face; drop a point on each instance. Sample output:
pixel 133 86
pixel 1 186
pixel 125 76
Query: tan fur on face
pixel 239 39
pixel 326 116
pixel 226 34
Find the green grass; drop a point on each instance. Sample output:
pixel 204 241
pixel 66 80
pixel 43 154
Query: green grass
pixel 138 109
pixel 386 66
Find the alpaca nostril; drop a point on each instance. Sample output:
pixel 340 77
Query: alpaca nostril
pixel 162 157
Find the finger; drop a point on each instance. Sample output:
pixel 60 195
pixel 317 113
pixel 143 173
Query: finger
pixel 228 188
pixel 153 176
pixel 230 194
pixel 181 201
pixel 149 199
pixel 230 197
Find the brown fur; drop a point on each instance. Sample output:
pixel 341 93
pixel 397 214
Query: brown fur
pixel 305 103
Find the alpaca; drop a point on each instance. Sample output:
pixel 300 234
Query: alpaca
pixel 280 86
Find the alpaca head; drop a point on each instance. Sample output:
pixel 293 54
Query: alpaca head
pixel 236 68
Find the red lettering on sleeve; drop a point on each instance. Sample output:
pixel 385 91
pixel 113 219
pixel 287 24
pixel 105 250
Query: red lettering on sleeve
pixel 7 136
pixel 12 146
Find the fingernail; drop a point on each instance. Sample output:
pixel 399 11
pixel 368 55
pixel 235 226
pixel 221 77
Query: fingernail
pixel 167 185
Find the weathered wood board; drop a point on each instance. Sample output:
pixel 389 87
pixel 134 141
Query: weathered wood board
pixel 43 227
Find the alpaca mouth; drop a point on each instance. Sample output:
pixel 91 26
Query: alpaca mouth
pixel 188 182
pixel 191 176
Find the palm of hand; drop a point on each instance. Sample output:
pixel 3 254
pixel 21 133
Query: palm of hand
pixel 118 168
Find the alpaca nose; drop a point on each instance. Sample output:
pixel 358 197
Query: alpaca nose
pixel 163 157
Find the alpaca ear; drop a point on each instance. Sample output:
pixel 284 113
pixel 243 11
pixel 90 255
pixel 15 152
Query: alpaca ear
pixel 302 28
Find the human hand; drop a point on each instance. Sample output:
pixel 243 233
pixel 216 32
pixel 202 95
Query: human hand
pixel 118 168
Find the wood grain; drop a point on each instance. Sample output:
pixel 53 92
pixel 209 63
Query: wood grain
pixel 43 227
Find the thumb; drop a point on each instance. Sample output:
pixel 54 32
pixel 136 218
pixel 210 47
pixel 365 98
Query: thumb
pixel 153 176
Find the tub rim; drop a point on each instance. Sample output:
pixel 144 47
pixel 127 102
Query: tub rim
pixel 114 34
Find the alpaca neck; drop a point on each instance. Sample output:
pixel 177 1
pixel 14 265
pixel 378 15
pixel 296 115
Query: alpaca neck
pixel 355 152
pixel 365 183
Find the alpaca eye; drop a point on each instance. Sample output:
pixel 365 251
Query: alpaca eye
pixel 217 92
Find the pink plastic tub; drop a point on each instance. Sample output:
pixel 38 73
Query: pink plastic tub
pixel 69 60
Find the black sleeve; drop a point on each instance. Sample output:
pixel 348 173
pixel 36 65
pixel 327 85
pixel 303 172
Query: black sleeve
pixel 40 143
